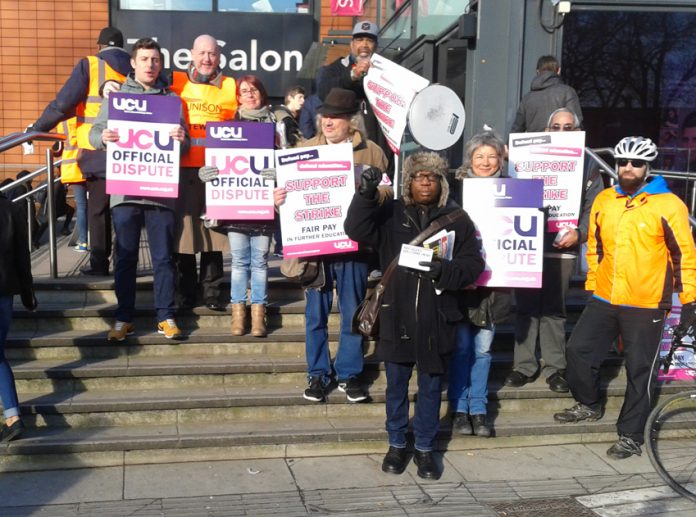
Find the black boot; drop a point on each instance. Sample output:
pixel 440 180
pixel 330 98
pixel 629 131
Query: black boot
pixel 427 469
pixel 395 460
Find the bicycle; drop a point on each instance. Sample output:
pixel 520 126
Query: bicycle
pixel 670 431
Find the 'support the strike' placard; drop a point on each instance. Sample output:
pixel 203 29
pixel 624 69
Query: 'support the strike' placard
pixel 240 150
pixel 320 185
pixel 509 224
pixel 557 158
pixel 145 160
pixel 390 89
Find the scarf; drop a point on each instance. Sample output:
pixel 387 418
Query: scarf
pixel 262 114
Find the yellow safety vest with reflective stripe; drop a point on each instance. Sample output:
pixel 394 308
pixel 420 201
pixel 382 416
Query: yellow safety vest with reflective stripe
pixel 99 72
pixel 69 169
pixel 203 103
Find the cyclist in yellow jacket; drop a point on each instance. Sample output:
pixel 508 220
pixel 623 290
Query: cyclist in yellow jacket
pixel 639 252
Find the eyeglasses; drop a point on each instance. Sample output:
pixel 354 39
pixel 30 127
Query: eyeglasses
pixel 422 178
pixel 622 162
pixel 250 91
pixel 564 127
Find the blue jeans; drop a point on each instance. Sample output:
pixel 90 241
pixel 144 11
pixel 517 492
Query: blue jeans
pixel 351 284
pixel 80 195
pixel 469 367
pixel 426 421
pixel 8 391
pixel 249 258
pixel 129 220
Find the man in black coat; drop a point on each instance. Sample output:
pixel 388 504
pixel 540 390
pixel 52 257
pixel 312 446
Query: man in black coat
pixel 15 278
pixel 417 323
pixel 348 73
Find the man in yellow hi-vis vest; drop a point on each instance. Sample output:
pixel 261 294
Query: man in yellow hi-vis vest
pixel 80 97
pixel 208 96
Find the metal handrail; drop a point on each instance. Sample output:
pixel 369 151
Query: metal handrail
pixel 680 175
pixel 13 140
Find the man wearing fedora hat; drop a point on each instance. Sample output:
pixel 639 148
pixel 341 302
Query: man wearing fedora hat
pixel 348 72
pixel 337 125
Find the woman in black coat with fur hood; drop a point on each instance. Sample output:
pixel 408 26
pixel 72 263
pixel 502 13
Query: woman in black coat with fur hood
pixel 417 325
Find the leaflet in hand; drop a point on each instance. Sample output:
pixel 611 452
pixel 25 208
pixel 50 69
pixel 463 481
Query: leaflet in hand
pixel 442 244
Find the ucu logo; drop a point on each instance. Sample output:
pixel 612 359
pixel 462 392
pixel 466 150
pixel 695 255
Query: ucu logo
pixel 530 229
pixel 226 133
pixel 242 164
pixel 500 190
pixel 122 104
pixel 144 139
pixel 343 245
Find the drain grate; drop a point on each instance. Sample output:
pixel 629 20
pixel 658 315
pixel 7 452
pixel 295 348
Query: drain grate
pixel 555 507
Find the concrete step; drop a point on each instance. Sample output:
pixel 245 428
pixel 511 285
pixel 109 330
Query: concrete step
pixel 197 440
pixel 211 399
pixel 171 370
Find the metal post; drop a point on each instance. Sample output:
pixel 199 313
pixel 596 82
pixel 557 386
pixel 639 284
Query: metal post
pixel 30 220
pixel 51 214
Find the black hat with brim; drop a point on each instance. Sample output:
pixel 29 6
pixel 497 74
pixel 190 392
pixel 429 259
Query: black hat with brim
pixel 339 101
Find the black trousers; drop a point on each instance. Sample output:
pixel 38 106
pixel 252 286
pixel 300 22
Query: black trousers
pixel 99 224
pixel 210 277
pixel 595 331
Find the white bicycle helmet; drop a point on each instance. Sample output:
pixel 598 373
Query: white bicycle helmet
pixel 636 147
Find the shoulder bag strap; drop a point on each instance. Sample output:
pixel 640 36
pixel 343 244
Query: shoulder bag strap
pixel 432 229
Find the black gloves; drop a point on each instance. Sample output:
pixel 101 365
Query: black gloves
pixel 434 271
pixel 369 180
pixel 28 299
pixel 687 319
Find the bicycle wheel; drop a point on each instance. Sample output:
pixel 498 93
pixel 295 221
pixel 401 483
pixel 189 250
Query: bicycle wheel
pixel 670 438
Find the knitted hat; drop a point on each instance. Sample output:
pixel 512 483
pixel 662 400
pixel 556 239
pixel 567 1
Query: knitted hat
pixel 425 162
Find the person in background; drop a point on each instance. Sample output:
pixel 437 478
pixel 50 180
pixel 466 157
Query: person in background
pixel 15 278
pixel 417 325
pixel 70 174
pixel 484 157
pixel 541 313
pixel 249 240
pixel 29 204
pixel 288 115
pixel 338 124
pixel 547 93
pixel 131 212
pixel 308 116
pixel 81 97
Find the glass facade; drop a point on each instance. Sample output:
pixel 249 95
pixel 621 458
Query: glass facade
pixel 247 6
pixel 433 16
pixel 635 74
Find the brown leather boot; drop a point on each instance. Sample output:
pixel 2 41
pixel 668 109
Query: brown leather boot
pixel 258 320
pixel 238 319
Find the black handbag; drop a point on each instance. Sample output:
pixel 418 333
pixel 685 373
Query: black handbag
pixel 366 316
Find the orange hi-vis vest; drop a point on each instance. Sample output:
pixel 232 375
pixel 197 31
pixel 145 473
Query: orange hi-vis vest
pixel 203 103
pixel 86 113
pixel 69 169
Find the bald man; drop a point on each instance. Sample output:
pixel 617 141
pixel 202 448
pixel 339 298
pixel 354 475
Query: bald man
pixel 208 96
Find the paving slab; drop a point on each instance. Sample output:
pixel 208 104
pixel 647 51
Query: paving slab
pixel 528 463
pixel 633 465
pixel 61 486
pixel 208 478
pixel 341 472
